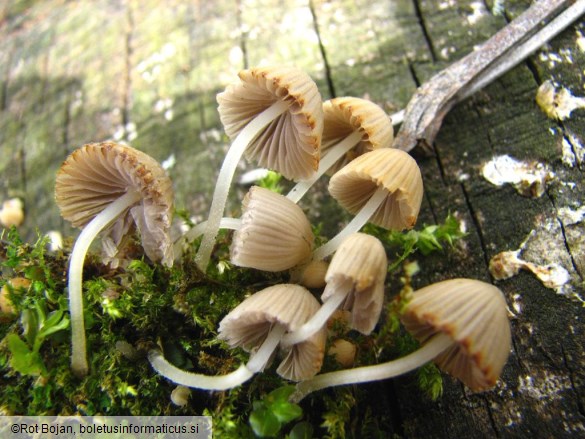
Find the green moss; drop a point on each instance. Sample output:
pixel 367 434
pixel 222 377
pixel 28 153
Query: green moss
pixel 131 308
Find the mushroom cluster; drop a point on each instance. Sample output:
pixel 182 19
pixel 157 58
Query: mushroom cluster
pixel 275 116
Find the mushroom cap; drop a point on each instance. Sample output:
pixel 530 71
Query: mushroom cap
pixel 290 144
pixel 291 305
pixel 361 262
pixel 96 174
pixel 391 168
pixel 474 315
pixel 348 114
pixel 275 234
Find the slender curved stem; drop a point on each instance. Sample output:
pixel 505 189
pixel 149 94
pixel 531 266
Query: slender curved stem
pixel 328 160
pixel 255 364
pixel 75 276
pixel 426 353
pixel 197 231
pixel 358 221
pixel 260 358
pixel 317 321
pixel 226 174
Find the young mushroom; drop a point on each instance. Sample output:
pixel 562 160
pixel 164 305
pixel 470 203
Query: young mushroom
pixel 352 126
pixel 115 187
pixel 463 326
pixel 275 234
pixel 257 325
pixel 355 281
pixel 275 116
pixel 383 186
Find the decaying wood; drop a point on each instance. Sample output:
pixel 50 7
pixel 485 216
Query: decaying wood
pixel 507 48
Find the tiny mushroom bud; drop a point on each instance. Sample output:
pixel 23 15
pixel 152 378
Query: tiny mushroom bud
pixel 275 116
pixel 344 352
pixel 12 213
pixel 352 126
pixel 383 186
pixel 16 285
pixel 257 325
pixel 114 187
pixel 180 396
pixel 355 281
pixel 313 274
pixel 463 325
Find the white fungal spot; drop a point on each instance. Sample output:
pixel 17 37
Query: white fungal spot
pixel 544 254
pixel 557 101
pixel 529 179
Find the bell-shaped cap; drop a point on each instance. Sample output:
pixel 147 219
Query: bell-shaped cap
pixel 474 315
pixel 291 305
pixel 393 169
pixel 345 115
pixel 291 143
pixel 275 234
pixel 359 264
pixel 96 174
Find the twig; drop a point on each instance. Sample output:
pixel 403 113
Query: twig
pixel 507 48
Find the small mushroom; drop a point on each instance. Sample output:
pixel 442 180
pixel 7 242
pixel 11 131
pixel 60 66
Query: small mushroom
pixel 313 274
pixel 355 282
pixel 352 127
pixel 463 326
pixel 274 235
pixel 383 187
pixel 180 396
pixel 12 213
pixel 275 116
pixel 16 285
pixel 114 187
pixel 343 351
pixel 257 325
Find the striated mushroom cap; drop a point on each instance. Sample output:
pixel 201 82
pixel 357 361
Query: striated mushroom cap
pixel 348 114
pixel 291 143
pixel 96 174
pixel 275 234
pixel 248 324
pixel 474 315
pixel 391 168
pixel 360 264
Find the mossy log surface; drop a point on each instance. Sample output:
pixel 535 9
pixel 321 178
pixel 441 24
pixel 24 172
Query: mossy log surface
pixel 137 71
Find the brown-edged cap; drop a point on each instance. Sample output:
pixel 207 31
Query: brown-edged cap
pixel 345 115
pixel 291 143
pixel 248 324
pixel 390 168
pixel 96 174
pixel 275 234
pixel 360 264
pixel 474 315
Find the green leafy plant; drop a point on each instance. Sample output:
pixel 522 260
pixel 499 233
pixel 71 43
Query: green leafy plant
pixel 429 239
pixel 271 181
pixel 37 325
pixel 273 411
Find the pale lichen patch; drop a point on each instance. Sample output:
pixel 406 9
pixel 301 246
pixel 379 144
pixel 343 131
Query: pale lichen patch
pixel 557 102
pixel 544 254
pixel 529 179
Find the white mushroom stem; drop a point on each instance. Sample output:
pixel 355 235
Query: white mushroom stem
pixel 226 174
pixel 319 319
pixel 199 229
pixel 256 363
pixel 426 353
pixel 328 160
pixel 358 221
pixel 86 237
